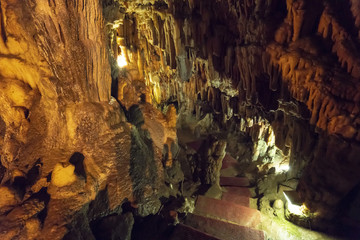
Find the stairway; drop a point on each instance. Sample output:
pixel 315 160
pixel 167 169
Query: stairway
pixel 228 218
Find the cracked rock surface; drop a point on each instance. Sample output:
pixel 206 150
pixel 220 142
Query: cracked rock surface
pixel 79 136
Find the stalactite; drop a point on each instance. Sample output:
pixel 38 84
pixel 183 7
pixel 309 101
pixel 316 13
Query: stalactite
pixel 252 64
pixel 298 18
pixel 355 10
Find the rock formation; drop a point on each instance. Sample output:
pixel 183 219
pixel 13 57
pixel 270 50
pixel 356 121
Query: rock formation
pixel 80 136
pixel 67 152
pixel 286 73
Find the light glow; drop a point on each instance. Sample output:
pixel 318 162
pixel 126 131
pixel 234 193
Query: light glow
pixel 157 93
pixel 293 208
pixel 283 168
pixel 121 61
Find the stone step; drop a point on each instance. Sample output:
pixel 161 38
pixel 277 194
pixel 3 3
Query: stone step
pixel 238 195
pixel 240 191
pixel 195 144
pixel 223 230
pixel 227 211
pixel 184 232
pixel 228 161
pixel 234 181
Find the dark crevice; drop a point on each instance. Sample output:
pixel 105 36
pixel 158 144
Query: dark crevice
pixel 77 159
pixel 33 174
pixel 43 196
pixel 48 177
pixel 2 171
pixel 126 207
pixel 26 114
pixel 2 128
pixel 159 226
pixel 2 26
pixel 62 35
pixel 19 185
pixel 114 87
pixel 135 115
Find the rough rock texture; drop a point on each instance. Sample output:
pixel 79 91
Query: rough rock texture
pixel 286 73
pixel 68 155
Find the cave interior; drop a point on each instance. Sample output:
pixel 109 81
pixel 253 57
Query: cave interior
pixel 180 119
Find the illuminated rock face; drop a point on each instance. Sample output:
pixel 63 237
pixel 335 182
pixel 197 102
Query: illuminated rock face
pixel 285 73
pixel 66 146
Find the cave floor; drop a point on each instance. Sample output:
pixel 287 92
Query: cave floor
pixel 278 228
pixel 212 215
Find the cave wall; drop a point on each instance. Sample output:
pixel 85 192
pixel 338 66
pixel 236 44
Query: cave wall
pixel 68 155
pixel 284 72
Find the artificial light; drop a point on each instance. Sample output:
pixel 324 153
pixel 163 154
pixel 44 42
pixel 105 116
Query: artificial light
pixel 121 61
pixel 283 168
pixel 293 206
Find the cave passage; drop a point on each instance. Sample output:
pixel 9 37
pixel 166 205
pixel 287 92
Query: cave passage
pixel 179 119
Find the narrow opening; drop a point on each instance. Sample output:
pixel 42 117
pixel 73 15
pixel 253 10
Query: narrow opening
pixel 77 159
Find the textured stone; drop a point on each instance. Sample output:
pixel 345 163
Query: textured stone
pixel 237 195
pixel 223 230
pixel 183 232
pixel 114 227
pixel 284 75
pixel 228 161
pixel 234 181
pixel 227 211
pixel 56 102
